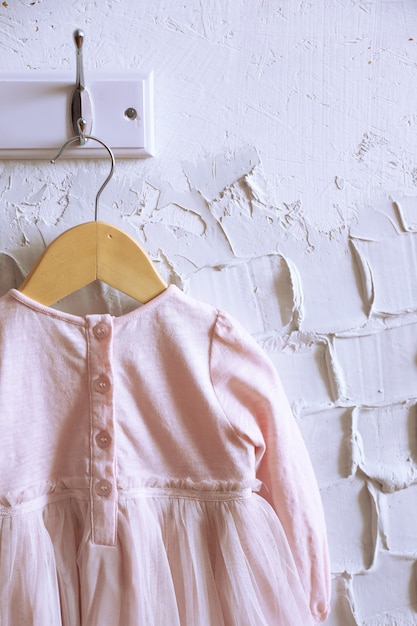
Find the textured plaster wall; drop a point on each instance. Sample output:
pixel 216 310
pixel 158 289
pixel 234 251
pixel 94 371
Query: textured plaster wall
pixel 284 189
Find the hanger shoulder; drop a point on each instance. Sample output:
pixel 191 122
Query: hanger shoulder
pixel 125 265
pixel 67 264
pixel 91 251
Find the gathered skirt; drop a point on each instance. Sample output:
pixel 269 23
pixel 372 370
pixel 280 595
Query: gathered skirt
pixel 179 560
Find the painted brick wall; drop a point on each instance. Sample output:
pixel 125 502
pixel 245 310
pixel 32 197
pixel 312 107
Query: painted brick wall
pixel 283 190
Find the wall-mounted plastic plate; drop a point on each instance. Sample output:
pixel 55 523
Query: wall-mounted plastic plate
pixel 35 114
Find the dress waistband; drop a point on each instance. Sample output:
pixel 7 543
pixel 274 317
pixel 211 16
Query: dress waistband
pixel 207 495
pixel 202 495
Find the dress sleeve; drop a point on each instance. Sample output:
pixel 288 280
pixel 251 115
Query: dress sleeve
pixel 252 397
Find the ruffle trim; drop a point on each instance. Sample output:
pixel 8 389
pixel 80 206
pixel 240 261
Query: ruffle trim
pixel 79 488
pixel 189 484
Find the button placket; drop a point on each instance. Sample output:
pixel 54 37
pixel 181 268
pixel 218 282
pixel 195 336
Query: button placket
pixel 103 463
pixel 101 330
pixel 103 439
pixel 103 488
pixel 102 383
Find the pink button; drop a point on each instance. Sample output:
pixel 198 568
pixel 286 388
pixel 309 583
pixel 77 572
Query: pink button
pixel 101 330
pixel 102 384
pixel 103 488
pixel 103 439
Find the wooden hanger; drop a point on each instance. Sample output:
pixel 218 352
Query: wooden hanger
pixel 92 251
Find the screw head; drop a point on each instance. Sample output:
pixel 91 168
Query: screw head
pixel 131 113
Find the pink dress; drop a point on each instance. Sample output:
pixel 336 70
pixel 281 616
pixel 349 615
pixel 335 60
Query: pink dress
pixel 151 474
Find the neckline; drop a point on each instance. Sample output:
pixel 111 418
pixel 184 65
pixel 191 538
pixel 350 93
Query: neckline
pixel 82 320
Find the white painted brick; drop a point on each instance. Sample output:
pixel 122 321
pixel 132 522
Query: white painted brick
pixel 341 610
pixel 264 286
pixel 387 595
pixel 378 368
pixel 350 510
pixel 331 285
pixel 386 444
pixel 376 222
pixel 303 370
pixel 398 520
pixel 391 279
pixel 328 437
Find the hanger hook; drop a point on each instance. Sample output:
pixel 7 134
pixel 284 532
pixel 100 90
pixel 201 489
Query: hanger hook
pixel 78 40
pixel 80 103
pixel 81 126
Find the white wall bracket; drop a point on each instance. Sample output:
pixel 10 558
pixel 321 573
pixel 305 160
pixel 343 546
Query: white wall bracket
pixel 35 114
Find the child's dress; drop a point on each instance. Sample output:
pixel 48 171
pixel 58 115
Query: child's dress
pixel 151 474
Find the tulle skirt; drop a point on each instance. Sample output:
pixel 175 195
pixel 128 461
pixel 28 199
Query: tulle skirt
pixel 178 561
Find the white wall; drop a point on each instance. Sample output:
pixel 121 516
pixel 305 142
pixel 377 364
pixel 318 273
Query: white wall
pixel 284 190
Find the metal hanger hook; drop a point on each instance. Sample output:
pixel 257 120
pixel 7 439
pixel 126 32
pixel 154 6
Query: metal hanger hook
pixel 80 104
pixel 78 40
pixel 110 174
